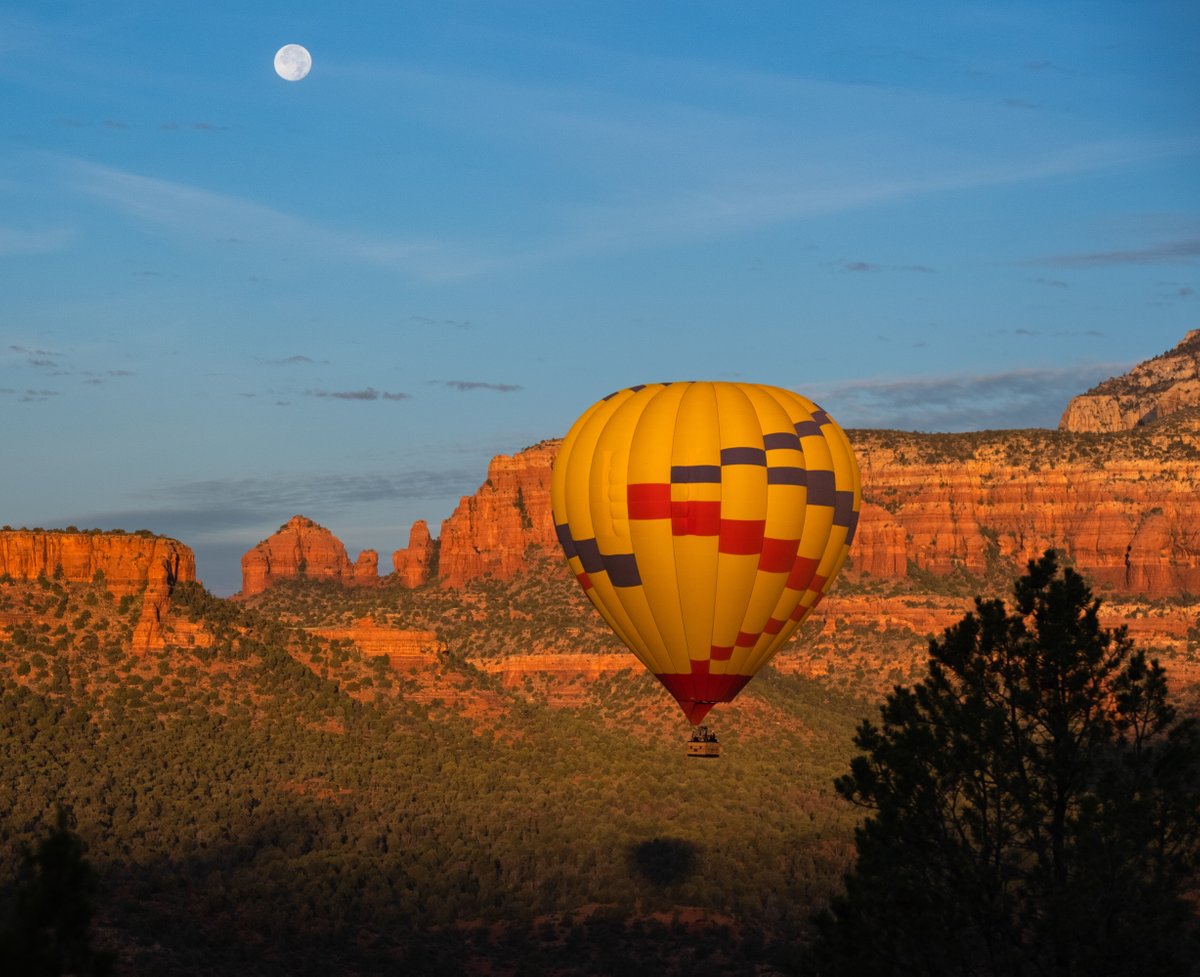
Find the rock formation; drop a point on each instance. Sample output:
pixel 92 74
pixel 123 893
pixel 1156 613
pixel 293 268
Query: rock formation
pixel 301 548
pixel 416 564
pixel 405 650
pixel 130 563
pixel 1149 392
pixel 489 532
pixel 1123 507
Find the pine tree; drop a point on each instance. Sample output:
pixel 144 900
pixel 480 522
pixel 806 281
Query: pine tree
pixel 1035 805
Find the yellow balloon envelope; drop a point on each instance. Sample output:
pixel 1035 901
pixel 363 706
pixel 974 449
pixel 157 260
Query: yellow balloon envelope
pixel 705 521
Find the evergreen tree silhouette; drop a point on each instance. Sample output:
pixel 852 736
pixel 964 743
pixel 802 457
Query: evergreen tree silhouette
pixel 1035 805
pixel 48 932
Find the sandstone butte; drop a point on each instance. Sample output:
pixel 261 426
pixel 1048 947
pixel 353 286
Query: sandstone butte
pixel 1151 390
pixel 301 548
pixel 130 563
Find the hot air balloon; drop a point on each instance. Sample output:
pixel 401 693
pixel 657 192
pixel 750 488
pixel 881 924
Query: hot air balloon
pixel 705 521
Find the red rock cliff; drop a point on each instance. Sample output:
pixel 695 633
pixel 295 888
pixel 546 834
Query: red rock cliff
pixel 129 563
pixel 301 548
pixel 1124 507
pixel 414 565
pixel 489 532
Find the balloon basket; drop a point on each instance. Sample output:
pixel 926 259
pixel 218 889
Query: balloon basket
pixel 703 745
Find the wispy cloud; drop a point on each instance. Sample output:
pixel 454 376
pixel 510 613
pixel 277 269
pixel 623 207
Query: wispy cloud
pixel 296 360
pixel 214 506
pixel 430 321
pixel 465 385
pixel 32 351
pixel 370 393
pixel 1170 251
pixel 869 266
pixel 204 214
pixel 29 395
pixel 18 241
pixel 963 402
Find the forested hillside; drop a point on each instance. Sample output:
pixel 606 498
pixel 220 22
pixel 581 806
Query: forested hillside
pixel 266 801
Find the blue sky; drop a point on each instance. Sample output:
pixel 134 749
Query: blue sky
pixel 226 298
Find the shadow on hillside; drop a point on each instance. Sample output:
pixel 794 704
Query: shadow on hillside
pixel 664 861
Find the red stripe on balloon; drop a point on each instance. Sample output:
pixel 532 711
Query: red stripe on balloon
pixel 778 555
pixel 742 537
pixel 696 701
pixel 649 500
pixel 746 639
pixel 693 518
pixel 802 573
pixel 720 654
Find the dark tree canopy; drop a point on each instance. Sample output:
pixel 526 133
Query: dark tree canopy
pixel 1035 805
pixel 48 931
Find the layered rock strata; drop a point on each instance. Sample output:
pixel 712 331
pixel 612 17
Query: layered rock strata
pixel 1123 508
pixel 127 563
pixel 405 650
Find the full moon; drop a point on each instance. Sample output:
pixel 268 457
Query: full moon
pixel 292 62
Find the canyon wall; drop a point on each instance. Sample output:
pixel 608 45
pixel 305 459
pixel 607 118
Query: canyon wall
pixel 130 564
pixel 1123 508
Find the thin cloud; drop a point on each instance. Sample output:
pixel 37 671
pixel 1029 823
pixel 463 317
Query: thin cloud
pixel 16 241
pixel 1171 251
pixel 430 321
pixel 221 504
pixel 370 393
pixel 296 360
pixel 963 402
pixel 867 266
pixel 33 352
pixel 207 215
pixel 30 395
pixel 465 385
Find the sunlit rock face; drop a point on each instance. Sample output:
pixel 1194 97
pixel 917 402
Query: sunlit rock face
pixel 299 549
pixel 129 563
pixel 415 564
pixel 1125 510
pixel 1149 392
pixel 1120 498
pixel 404 649
pixel 490 532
